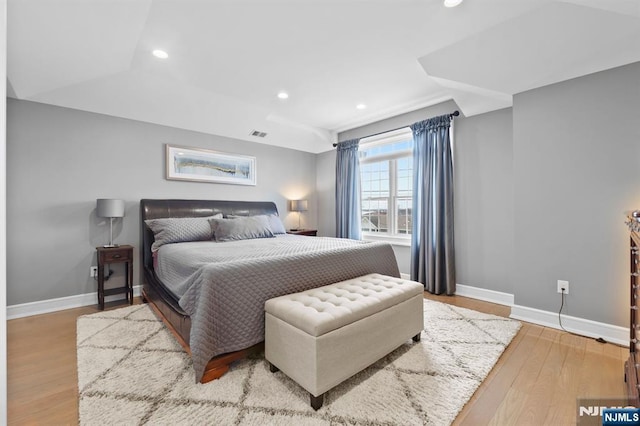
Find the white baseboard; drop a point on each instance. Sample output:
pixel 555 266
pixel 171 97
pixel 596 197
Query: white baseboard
pixel 492 296
pixel 581 326
pixel 62 303
pixel 584 327
pixel 479 293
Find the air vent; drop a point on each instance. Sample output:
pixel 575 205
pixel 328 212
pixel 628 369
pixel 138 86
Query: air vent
pixel 258 133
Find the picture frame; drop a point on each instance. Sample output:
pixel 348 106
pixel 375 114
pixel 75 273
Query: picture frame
pixel 204 165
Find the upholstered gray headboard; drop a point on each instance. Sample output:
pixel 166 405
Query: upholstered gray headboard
pixel 153 209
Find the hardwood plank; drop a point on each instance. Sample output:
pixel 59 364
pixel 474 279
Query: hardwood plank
pixel 537 402
pixel 562 400
pixel 510 408
pixel 42 376
pixel 515 402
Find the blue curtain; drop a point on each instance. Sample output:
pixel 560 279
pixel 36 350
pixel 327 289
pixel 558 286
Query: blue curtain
pixel 432 246
pixel 348 190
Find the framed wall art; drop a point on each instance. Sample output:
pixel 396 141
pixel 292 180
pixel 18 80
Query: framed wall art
pixel 203 165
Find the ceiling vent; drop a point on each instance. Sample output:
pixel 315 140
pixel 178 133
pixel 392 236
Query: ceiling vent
pixel 258 133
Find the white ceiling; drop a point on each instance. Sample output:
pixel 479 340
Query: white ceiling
pixel 229 58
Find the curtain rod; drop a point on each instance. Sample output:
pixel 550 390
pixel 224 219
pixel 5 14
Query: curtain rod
pixel 453 114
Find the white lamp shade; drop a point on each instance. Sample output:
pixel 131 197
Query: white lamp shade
pixel 452 3
pixel 299 205
pixel 107 207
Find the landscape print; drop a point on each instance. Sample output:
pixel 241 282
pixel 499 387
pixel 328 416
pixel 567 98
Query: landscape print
pixel 197 164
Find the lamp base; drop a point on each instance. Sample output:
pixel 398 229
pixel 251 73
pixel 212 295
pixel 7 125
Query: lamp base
pixel 111 245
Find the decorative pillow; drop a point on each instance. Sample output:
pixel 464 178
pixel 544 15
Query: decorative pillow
pixel 180 229
pixel 240 228
pixel 276 224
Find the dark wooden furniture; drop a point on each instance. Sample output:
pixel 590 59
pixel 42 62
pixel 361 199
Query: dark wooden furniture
pixel 309 232
pixel 154 292
pixel 107 256
pixel 631 365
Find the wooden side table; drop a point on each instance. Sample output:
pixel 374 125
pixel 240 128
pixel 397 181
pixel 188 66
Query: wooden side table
pixel 107 256
pixel 309 232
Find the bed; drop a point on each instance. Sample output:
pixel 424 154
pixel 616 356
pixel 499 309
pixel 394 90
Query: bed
pixel 211 294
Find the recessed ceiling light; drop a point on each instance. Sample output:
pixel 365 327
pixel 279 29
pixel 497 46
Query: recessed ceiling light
pixel 452 3
pixel 283 95
pixel 160 54
pixel 361 106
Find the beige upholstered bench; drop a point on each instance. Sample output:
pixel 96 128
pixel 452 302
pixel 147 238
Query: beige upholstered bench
pixel 323 336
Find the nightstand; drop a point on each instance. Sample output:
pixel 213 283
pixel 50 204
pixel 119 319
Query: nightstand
pixel 107 256
pixel 309 232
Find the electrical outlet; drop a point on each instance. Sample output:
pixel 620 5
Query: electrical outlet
pixel 93 271
pixel 563 285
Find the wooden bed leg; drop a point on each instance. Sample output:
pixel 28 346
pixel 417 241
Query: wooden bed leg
pixel 220 364
pixel 214 373
pixel 273 368
pixel 416 338
pixel 316 401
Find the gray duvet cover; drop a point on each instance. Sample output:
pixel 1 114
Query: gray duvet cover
pixel 223 286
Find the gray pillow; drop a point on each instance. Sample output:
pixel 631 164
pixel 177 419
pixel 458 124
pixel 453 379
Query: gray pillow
pixel 276 224
pixel 180 229
pixel 240 228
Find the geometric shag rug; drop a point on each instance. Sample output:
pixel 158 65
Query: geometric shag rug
pixel 131 371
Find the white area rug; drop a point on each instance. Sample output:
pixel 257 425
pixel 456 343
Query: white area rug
pixel 132 371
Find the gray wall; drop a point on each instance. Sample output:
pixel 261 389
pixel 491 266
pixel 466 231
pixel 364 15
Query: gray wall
pixel 576 170
pixel 483 210
pixel 326 193
pixel 60 160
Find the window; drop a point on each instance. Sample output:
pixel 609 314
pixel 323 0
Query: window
pixel 386 181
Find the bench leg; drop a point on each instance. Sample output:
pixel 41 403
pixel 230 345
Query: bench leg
pixel 416 338
pixel 316 401
pixel 273 368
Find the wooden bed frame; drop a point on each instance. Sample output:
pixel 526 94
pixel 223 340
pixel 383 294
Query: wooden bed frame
pixel 162 301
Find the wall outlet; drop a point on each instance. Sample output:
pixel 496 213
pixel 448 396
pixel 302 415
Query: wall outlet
pixel 563 285
pixel 93 271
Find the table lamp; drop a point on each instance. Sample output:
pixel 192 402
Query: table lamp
pixel 107 207
pixel 298 206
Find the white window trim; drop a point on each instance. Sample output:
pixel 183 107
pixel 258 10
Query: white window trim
pixel 380 139
pixel 391 239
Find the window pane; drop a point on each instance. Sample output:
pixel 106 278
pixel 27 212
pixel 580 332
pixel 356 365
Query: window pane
pixel 403 216
pixel 374 179
pixel 374 215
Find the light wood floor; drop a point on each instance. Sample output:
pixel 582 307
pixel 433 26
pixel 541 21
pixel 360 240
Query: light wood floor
pixel 535 382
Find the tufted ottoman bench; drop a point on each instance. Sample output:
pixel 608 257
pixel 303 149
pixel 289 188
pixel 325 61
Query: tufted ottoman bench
pixel 323 336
